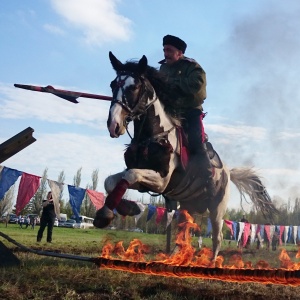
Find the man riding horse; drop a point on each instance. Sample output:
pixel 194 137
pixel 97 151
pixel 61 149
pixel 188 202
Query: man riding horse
pixel 186 86
pixel 153 157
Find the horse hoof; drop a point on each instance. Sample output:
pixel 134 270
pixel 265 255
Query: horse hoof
pixel 128 208
pixel 103 217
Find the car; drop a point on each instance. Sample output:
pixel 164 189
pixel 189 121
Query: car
pixel 137 230
pixel 84 223
pixel 61 223
pixel 35 217
pixel 3 219
pixel 13 219
pixel 69 223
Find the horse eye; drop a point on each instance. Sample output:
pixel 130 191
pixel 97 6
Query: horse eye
pixel 132 88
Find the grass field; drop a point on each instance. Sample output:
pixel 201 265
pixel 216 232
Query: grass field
pixel 42 277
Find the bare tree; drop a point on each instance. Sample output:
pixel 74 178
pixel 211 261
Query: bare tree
pixel 77 178
pixel 88 208
pixel 61 179
pixel 35 204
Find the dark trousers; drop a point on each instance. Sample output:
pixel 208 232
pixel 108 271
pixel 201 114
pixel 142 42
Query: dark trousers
pixel 192 125
pixel 49 222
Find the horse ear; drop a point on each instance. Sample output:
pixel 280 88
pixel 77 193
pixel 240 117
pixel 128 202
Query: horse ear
pixel 143 63
pixel 117 65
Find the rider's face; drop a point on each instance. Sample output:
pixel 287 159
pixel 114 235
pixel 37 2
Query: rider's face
pixel 171 54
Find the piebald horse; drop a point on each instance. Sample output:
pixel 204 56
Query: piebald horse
pixel 153 158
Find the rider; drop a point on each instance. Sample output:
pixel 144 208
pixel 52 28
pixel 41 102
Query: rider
pixel 186 85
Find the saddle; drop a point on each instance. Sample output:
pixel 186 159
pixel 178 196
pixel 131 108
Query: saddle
pixel 184 152
pixel 214 156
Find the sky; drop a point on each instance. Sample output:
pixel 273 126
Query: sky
pixel 249 50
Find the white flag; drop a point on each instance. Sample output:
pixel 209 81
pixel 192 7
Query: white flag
pixel 142 208
pixel 56 189
pixel 170 217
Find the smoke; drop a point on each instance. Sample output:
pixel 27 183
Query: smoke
pixel 263 60
pixel 266 48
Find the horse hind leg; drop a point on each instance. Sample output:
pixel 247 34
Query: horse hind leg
pixel 217 236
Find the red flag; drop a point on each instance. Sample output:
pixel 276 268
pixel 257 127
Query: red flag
pixel 229 225
pixel 160 212
pixel 267 230
pixel 281 230
pixel 246 233
pixel 97 198
pixel 27 188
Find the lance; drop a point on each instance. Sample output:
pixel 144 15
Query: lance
pixel 67 95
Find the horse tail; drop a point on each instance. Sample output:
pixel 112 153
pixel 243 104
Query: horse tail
pixel 249 183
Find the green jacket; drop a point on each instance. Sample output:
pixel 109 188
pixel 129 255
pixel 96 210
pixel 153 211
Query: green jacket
pixel 186 84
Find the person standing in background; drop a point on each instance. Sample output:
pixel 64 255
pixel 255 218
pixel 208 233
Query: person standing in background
pixel 47 218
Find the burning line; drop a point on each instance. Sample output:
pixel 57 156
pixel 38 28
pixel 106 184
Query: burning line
pixel 265 276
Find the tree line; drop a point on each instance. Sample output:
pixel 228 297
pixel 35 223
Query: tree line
pixel 288 212
pixel 35 204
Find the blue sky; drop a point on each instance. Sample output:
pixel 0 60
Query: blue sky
pixel 249 50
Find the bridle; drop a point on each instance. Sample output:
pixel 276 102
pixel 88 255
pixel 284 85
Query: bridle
pixel 134 112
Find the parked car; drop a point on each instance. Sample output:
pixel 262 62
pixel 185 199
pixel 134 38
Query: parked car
pixel 36 217
pixel 13 219
pixel 84 223
pixel 61 223
pixel 135 230
pixel 3 219
pixel 69 223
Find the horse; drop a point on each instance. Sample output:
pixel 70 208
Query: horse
pixel 154 157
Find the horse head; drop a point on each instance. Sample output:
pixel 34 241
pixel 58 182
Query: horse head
pixel 131 91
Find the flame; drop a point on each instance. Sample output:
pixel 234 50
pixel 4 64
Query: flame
pixel 134 252
pixel 185 261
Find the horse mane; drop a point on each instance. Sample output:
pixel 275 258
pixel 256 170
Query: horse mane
pixel 159 83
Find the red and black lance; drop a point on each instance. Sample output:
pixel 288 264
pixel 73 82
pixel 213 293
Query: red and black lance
pixel 67 95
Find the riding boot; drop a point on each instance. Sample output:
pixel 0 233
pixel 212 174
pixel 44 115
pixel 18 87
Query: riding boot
pixel 206 169
pixel 193 126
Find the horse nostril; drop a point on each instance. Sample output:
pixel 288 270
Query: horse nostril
pixel 117 129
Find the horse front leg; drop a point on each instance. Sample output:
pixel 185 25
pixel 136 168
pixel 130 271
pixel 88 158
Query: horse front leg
pixel 111 181
pixel 116 185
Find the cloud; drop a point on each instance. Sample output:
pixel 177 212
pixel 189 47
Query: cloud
pixel 14 104
pixel 238 131
pixel 289 135
pixel 98 21
pixel 68 152
pixel 54 29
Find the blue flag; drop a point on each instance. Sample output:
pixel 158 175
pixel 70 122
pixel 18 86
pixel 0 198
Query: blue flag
pixel 234 229
pixel 151 211
pixel 290 234
pixel 7 178
pixel 76 196
pixel 209 227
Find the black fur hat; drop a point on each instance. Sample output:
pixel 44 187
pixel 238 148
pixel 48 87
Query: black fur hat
pixel 174 41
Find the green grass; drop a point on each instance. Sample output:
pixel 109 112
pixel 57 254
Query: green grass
pixel 42 277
